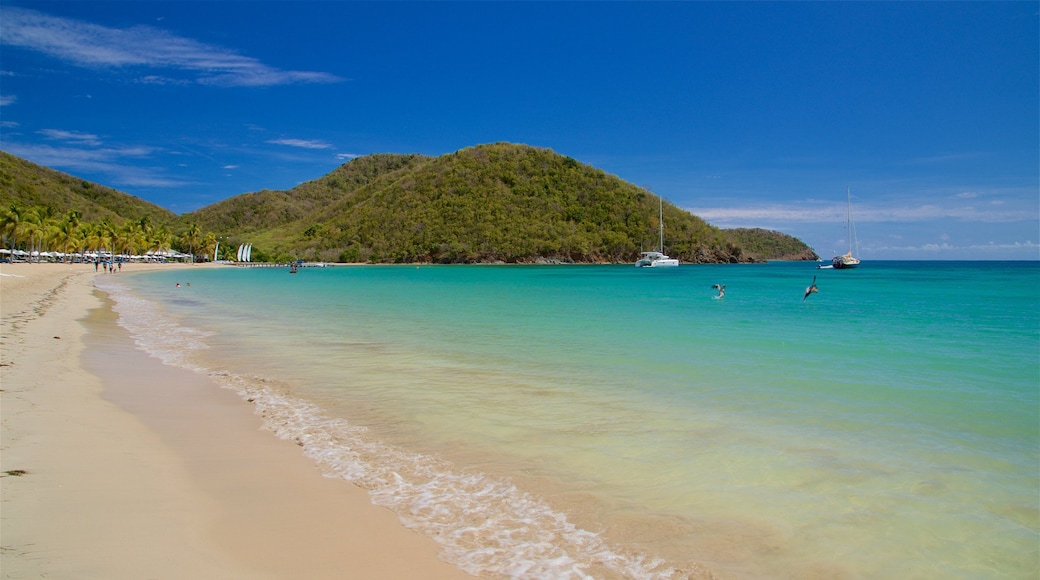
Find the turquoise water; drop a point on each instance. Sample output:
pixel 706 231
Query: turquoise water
pixel 608 421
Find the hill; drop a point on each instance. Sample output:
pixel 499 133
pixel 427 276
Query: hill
pixel 771 243
pixel 256 212
pixel 490 203
pixel 27 184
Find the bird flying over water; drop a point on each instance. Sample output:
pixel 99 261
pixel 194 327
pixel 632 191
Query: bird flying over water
pixel 811 289
pixel 721 288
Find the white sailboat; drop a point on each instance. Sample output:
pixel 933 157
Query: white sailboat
pixel 847 261
pixel 656 258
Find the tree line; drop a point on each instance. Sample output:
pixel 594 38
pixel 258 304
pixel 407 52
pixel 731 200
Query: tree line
pixel 38 229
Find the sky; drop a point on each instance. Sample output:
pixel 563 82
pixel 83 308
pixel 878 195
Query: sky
pixel 758 114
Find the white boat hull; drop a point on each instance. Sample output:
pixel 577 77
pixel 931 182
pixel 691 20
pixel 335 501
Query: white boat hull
pixel 846 262
pixel 656 260
pixel 665 263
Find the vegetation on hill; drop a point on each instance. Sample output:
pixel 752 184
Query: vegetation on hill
pixel 27 184
pixel 42 210
pixel 490 203
pixel 771 243
pixel 498 202
pixel 264 210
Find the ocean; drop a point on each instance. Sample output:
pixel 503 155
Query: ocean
pixel 612 422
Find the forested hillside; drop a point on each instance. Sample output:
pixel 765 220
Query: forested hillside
pixel 26 184
pixel 498 202
pixel 490 203
pixel 775 245
pixel 264 210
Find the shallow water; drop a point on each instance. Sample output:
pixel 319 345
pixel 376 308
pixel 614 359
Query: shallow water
pixel 608 421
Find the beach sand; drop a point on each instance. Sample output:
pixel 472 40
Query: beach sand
pixel 115 465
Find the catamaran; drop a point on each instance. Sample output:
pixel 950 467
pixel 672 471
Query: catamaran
pixel 847 261
pixel 656 258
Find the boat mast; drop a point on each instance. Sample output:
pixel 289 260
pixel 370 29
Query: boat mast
pixel 848 215
pixel 661 229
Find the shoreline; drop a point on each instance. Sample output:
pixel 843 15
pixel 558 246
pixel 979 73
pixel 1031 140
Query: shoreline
pixel 115 465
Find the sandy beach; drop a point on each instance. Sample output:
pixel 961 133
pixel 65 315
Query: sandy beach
pixel 116 466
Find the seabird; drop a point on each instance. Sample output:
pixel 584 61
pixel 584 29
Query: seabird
pixel 812 288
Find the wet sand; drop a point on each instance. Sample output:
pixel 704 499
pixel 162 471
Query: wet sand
pixel 115 465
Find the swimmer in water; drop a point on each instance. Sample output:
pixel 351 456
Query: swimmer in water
pixel 721 288
pixel 811 289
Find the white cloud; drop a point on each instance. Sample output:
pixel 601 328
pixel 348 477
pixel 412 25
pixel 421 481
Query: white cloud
pixel 114 162
pixel 230 167
pixel 161 80
pixel 342 156
pixel 1027 249
pixel 7 100
pixel 936 247
pixel 70 136
pixel 867 214
pixel 302 143
pixel 1026 245
pixel 91 45
pixel 76 156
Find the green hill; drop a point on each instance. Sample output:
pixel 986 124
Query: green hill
pixel 252 213
pixel 775 245
pixel 497 202
pixel 27 184
pixel 490 203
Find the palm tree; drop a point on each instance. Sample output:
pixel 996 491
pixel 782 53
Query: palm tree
pixel 129 237
pixel 99 236
pixel 35 222
pixel 192 237
pixel 161 239
pixel 11 224
pixel 209 243
pixel 83 234
pixel 145 230
pixel 111 234
pixel 67 232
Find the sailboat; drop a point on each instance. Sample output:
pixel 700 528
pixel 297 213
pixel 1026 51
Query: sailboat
pixel 656 258
pixel 847 261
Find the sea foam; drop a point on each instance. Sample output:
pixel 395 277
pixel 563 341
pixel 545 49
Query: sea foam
pixel 484 524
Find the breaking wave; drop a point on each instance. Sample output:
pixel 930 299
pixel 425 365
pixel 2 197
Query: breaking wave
pixel 485 525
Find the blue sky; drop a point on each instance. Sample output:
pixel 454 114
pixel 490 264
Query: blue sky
pixel 747 114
